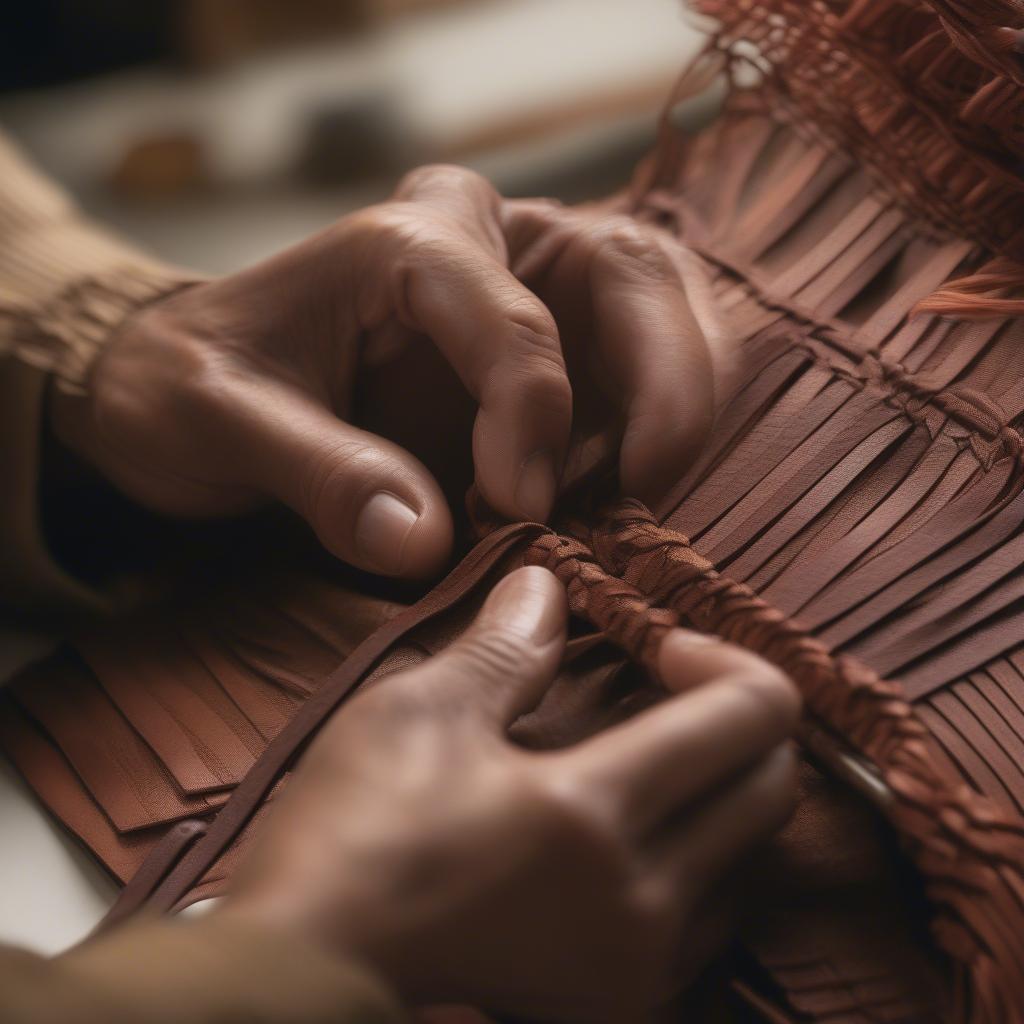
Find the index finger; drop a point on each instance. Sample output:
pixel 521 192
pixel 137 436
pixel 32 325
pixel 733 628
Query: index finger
pixel 647 330
pixel 647 304
pixel 731 709
pixel 441 280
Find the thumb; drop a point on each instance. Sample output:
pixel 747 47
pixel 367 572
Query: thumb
pixel 502 664
pixel 370 502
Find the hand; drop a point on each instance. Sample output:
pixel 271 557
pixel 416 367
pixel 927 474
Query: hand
pixel 558 886
pixel 311 379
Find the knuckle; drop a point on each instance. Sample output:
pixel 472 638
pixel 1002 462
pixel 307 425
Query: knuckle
pixel 534 362
pixel 338 478
pixel 495 653
pixel 581 818
pixel 545 388
pixel 533 327
pixel 407 229
pixel 441 175
pixel 621 245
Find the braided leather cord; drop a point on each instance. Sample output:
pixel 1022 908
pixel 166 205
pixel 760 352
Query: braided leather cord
pixel 634 580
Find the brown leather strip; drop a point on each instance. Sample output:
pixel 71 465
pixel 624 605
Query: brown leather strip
pixel 916 338
pixel 1003 726
pixel 959 348
pixel 266 705
pixel 965 654
pixel 780 204
pixel 771 371
pixel 726 198
pixel 965 601
pixel 119 770
pixel 798 473
pixel 163 857
pixel 775 436
pixel 884 572
pixel 833 484
pixel 859 529
pixel 60 790
pixel 832 291
pixel 870 214
pixel 771 1013
pixel 969 761
pixel 167 695
pixel 1008 675
pixel 887 318
pixel 964 473
pixel 770 236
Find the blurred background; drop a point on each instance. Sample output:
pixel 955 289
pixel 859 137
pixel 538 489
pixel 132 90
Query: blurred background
pixel 216 131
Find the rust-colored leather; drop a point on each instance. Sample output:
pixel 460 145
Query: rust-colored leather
pixel 857 518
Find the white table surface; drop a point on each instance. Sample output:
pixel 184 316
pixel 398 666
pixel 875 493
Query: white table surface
pixel 51 892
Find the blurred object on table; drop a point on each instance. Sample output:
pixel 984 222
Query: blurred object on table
pixel 161 165
pixel 219 144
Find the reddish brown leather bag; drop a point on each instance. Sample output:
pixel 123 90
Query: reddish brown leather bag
pixel 857 519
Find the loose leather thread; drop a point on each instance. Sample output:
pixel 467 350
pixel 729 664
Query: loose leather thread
pixel 929 147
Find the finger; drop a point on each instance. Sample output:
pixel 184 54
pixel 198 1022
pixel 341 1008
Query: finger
pixel 658 342
pixel 675 753
pixel 464 196
pixel 703 846
pixel 370 502
pixel 500 339
pixel 655 346
pixel 503 663
pixel 687 660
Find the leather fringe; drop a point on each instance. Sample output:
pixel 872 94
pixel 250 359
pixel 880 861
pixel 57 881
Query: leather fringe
pixel 926 94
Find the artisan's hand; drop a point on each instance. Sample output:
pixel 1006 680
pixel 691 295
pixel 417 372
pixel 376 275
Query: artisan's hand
pixel 562 886
pixel 311 378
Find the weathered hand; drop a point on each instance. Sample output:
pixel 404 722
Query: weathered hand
pixel 311 379
pixel 564 886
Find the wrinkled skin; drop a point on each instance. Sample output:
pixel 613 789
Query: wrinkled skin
pixel 466 328
pixel 565 886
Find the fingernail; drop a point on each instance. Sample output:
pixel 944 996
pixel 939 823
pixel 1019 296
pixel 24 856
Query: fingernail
pixel 535 488
pixel 527 603
pixel 382 531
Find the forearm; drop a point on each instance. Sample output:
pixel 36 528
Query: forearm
pixel 65 286
pixel 200 972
